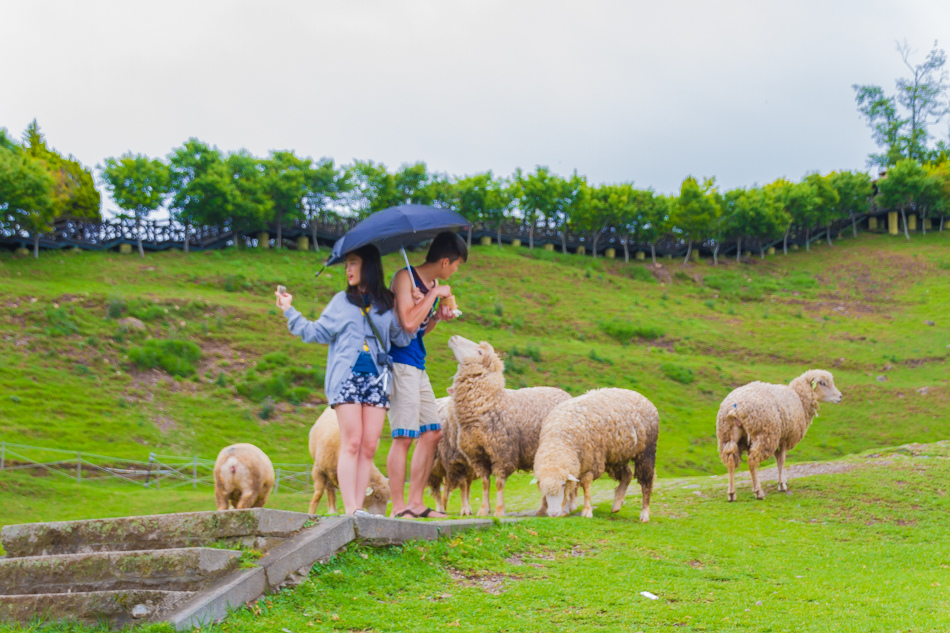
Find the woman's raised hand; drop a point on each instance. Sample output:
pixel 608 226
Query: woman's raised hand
pixel 283 300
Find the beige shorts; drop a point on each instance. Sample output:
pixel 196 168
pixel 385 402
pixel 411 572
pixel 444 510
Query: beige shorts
pixel 412 409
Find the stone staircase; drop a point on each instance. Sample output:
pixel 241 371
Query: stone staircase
pixel 187 569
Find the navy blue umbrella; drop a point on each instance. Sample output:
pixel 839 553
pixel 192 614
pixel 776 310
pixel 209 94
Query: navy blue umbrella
pixel 395 228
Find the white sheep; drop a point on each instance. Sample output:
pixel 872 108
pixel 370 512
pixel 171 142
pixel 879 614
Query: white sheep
pixel 324 442
pixel 600 431
pixel 765 419
pixel 498 428
pixel 243 477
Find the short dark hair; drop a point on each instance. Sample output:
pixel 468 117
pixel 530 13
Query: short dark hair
pixel 371 277
pixel 449 245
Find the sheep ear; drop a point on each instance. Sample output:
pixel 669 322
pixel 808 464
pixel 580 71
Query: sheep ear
pixel 534 481
pixel 369 491
pixel 814 383
pixel 573 478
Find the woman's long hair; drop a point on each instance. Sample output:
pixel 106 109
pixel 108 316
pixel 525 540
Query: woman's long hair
pixel 371 278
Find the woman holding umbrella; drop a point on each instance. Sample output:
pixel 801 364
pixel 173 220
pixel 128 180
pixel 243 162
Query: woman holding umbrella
pixel 359 324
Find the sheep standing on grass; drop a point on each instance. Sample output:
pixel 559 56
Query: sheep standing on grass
pixel 450 466
pixel 600 431
pixel 324 444
pixel 498 428
pixel 243 477
pixel 765 419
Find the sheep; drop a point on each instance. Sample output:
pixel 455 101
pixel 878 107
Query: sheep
pixel 765 419
pixel 324 444
pixel 450 465
pixel 498 428
pixel 243 477
pixel 600 431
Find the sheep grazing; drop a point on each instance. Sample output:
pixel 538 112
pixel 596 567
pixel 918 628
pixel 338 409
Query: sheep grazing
pixel 765 419
pixel 325 450
pixel 600 431
pixel 450 466
pixel 243 477
pixel 498 428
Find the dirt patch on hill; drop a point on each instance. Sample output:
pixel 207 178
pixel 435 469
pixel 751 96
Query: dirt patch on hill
pixel 493 583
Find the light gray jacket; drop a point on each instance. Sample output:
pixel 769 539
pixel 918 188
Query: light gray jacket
pixel 343 326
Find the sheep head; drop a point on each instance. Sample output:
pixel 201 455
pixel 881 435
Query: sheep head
pixel 469 353
pixel 558 491
pixel 378 495
pixel 822 383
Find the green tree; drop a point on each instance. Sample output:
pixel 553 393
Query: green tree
pixel 138 185
pixel 537 197
pixel 374 188
pixel 201 185
pixel 287 179
pixel 826 209
pixel 326 186
pixel 696 211
pixel 901 187
pixel 655 219
pixel 939 175
pixel 854 195
pixel 899 122
pixel 74 191
pixel 249 206
pixel 412 183
pixel 800 201
pixel 26 189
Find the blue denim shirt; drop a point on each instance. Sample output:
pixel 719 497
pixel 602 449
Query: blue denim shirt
pixel 343 326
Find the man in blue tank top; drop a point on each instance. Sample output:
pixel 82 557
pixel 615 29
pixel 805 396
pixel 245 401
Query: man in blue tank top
pixel 413 414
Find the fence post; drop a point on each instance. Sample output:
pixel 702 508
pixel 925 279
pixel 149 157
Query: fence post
pixel 194 474
pixel 277 482
pixel 78 468
pixel 148 473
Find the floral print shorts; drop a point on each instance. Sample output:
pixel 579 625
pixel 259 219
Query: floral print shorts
pixel 364 389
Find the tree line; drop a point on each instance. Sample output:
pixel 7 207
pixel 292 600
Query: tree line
pixel 202 186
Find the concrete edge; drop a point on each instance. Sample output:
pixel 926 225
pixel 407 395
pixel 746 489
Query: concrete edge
pixel 306 548
pixel 213 604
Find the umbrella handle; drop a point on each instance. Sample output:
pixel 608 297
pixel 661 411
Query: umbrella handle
pixel 405 257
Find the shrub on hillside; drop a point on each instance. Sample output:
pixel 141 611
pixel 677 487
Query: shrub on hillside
pixel 639 273
pixel 291 384
pixel 173 356
pixel 680 374
pixel 60 321
pixel 625 331
pixel 531 351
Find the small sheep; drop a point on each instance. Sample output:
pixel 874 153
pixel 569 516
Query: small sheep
pixel 765 419
pixel 600 431
pixel 498 428
pixel 325 450
pixel 450 466
pixel 243 477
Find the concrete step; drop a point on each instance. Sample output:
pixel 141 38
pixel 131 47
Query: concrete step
pixel 258 528
pixel 166 569
pixel 118 608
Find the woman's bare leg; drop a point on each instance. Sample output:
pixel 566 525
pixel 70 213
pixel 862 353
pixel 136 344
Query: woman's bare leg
pixel 373 419
pixel 350 417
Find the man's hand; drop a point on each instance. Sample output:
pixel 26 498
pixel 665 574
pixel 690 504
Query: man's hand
pixel 417 295
pixel 283 300
pixel 445 313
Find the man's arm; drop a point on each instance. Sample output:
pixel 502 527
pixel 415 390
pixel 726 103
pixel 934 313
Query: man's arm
pixel 411 314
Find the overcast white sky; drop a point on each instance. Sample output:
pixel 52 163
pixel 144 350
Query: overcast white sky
pixel 746 91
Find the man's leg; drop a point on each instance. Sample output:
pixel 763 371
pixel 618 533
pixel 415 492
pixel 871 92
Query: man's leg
pixel 424 455
pixel 396 470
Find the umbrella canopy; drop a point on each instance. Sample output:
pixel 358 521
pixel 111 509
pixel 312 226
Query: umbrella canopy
pixel 397 227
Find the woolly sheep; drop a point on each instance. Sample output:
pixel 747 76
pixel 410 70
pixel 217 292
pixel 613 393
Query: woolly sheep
pixel 450 465
pixel 325 450
pixel 600 431
pixel 498 428
pixel 243 477
pixel 765 419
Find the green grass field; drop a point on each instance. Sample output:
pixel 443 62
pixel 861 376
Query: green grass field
pixel 874 310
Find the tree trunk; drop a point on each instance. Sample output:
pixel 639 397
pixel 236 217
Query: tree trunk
pixel 531 236
pixel 280 233
pixel 904 217
pixel 313 232
pixel 738 250
pixel 564 240
pixel 716 254
pixel 138 235
pixel 923 225
pixel 828 235
pixel 761 252
pixel 626 250
pixel 854 224
pixel 593 250
pixel 807 240
pixel 36 244
pixel 653 252
pixel 187 231
pixel 499 234
pixel 788 230
pixel 689 250
pixel 942 222
pixel 470 236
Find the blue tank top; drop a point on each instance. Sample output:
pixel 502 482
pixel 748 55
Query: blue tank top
pixel 413 354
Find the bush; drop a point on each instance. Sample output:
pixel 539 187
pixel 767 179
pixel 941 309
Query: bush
pixel 115 307
pixel 235 283
pixel 292 384
pixel 531 351
pixel 680 374
pixel 639 273
pixel 175 357
pixel 625 331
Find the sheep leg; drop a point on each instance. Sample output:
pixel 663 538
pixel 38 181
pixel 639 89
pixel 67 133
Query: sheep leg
pixel 486 492
pixel 319 486
pixel 625 476
pixel 782 477
pixel 220 498
pixel 466 489
pixel 331 499
pixel 588 510
pixel 754 472
pixel 732 479
pixel 544 507
pixel 500 496
pixel 441 494
pixel 247 498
